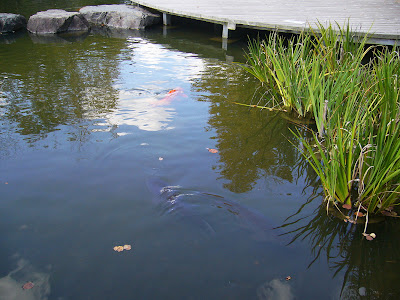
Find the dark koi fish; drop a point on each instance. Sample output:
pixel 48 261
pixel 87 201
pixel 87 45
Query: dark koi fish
pixel 193 204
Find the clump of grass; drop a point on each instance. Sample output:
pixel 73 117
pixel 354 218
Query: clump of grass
pixel 355 149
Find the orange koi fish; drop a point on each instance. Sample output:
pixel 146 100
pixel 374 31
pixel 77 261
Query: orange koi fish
pixel 171 95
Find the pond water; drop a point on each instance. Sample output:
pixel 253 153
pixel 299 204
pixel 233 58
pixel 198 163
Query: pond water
pixel 104 142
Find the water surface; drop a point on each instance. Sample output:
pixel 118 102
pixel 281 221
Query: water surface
pixel 85 122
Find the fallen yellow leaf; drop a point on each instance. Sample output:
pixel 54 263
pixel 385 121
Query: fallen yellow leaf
pixel 212 150
pixel 127 247
pixel 118 248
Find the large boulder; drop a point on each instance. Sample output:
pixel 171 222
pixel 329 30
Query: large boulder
pixel 119 16
pixel 11 22
pixel 57 21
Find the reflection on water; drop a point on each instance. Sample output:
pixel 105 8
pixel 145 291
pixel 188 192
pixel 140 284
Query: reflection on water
pixel 11 284
pixel 142 112
pixel 149 105
pixel 276 289
pixel 84 122
pixel 252 144
pixel 370 268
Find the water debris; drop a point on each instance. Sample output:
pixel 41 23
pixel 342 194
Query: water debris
pixel 161 158
pixel 28 285
pixel 369 236
pixel 122 248
pixel 346 206
pixel 288 278
pixel 347 219
pixel 211 150
pixel 389 212
pixel 119 248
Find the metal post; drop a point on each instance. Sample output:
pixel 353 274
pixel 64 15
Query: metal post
pixel 225 44
pixel 166 19
pixel 225 29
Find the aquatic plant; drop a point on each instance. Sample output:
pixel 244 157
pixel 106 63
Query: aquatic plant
pixel 325 75
pixel 281 70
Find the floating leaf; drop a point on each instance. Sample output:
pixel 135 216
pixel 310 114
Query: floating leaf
pixel 118 248
pixel 127 247
pixel 28 285
pixel 369 236
pixel 359 214
pixel 346 206
pixel 389 213
pixel 211 150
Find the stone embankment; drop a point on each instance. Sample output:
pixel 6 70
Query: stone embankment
pixel 53 21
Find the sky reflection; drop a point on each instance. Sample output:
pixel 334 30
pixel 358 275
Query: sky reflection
pixel 150 85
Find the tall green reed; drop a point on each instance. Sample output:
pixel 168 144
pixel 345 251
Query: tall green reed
pixel 355 149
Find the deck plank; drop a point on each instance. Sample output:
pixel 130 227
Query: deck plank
pixel 380 18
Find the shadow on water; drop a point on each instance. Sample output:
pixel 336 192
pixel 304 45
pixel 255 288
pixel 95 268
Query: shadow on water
pixel 368 268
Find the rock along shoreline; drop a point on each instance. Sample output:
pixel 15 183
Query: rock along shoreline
pixel 54 21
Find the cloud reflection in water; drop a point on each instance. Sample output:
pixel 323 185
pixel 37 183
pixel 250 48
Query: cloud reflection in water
pixel 275 290
pixel 142 112
pixel 11 284
pixel 148 75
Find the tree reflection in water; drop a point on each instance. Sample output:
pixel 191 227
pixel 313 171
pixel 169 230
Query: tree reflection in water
pixel 252 143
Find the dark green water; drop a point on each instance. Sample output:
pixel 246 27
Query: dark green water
pixel 82 131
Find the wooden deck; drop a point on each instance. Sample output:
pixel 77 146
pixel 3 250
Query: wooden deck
pixel 380 18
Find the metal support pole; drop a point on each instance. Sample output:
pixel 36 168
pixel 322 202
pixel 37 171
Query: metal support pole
pixel 225 44
pixel 225 29
pixel 166 19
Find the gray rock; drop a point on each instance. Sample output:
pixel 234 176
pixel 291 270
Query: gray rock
pixel 119 16
pixel 11 22
pixel 57 21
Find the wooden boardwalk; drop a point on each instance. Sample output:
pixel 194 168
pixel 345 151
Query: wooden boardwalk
pixel 381 18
